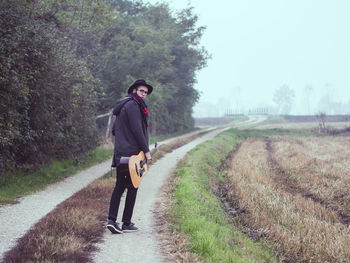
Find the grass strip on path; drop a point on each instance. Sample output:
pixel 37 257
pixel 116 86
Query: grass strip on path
pixel 169 147
pixel 163 137
pixel 69 233
pixel 196 217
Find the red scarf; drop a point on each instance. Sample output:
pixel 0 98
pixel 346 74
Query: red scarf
pixel 142 104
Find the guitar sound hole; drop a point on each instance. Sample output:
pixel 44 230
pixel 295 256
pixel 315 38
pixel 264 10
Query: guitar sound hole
pixel 137 170
pixel 142 172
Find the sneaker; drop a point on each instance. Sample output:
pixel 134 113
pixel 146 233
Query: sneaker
pixel 129 228
pixel 113 227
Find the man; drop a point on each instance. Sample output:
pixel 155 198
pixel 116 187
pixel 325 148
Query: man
pixel 131 137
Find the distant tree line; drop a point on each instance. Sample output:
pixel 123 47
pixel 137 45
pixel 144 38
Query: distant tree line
pixel 64 62
pixel 312 102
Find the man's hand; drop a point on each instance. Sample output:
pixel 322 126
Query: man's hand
pixel 148 157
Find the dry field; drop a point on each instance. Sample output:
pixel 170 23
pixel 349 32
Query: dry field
pixel 302 125
pixel 296 192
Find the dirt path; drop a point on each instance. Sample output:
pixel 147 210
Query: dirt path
pixel 141 246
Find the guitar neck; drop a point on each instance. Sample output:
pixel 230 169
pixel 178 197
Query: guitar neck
pixel 143 162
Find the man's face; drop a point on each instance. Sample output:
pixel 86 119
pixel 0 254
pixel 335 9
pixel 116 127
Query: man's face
pixel 142 91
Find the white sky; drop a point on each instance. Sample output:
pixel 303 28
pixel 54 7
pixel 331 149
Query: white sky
pixel 257 46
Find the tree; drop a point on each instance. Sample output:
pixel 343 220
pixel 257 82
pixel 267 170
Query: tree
pixel 151 43
pixel 284 98
pixel 64 62
pixel 321 118
pixel 47 93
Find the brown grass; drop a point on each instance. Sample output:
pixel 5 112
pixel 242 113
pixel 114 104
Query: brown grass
pixel 302 125
pixel 304 229
pixel 319 168
pixel 69 233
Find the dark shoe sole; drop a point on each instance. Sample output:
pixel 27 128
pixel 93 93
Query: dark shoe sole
pixel 114 230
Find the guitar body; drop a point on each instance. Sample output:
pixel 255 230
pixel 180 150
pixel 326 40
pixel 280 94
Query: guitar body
pixel 138 168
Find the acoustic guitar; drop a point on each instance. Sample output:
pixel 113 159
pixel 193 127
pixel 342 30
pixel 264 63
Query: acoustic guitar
pixel 138 168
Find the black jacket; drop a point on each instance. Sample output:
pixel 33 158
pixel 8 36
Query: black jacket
pixel 129 129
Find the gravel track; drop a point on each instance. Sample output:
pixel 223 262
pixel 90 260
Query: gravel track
pixel 141 246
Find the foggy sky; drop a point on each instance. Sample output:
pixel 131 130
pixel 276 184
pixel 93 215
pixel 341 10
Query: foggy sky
pixel 258 46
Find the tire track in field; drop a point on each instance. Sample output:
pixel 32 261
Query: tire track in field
pixel 284 180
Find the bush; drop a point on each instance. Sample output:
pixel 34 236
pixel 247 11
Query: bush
pixel 47 97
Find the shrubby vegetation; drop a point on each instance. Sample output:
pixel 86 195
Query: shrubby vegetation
pixel 64 62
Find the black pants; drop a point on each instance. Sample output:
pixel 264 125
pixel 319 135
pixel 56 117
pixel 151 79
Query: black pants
pixel 123 182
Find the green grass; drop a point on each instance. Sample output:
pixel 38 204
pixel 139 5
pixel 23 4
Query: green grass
pixel 198 213
pixel 18 184
pixel 213 234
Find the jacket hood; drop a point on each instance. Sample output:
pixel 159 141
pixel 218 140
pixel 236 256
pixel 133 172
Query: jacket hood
pixel 119 105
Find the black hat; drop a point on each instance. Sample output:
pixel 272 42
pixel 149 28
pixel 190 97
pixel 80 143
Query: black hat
pixel 140 82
